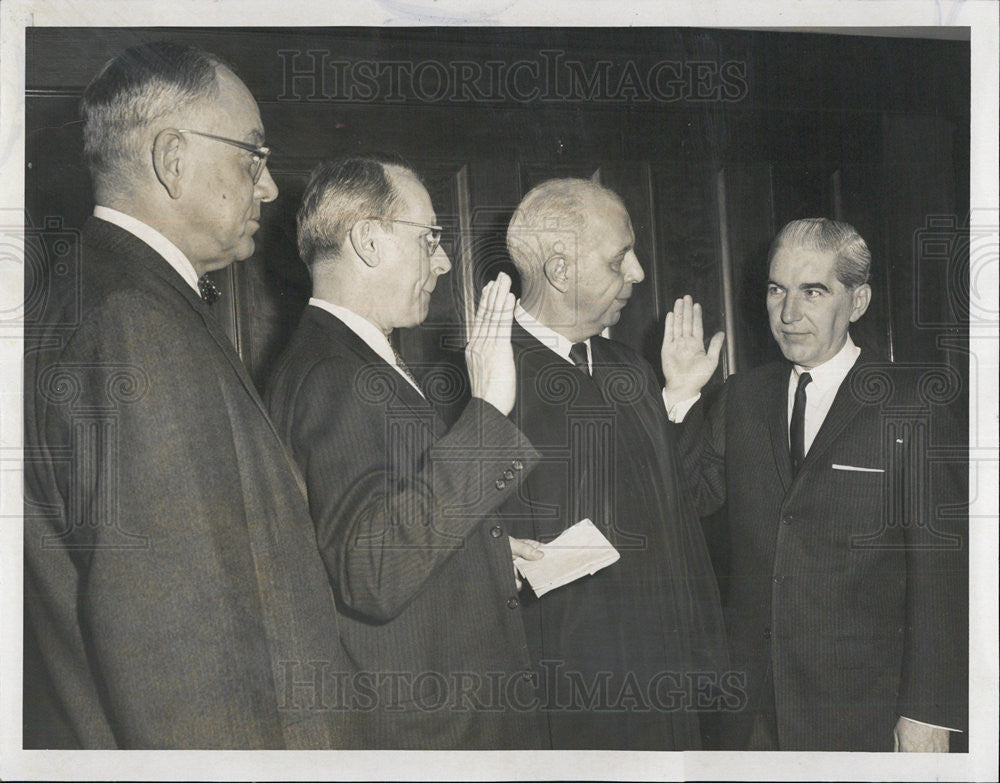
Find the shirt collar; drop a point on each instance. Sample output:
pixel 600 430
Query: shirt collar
pixel 372 336
pixel 167 249
pixel 546 336
pixel 831 373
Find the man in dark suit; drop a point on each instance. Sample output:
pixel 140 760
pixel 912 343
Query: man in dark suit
pixel 404 508
pixel 847 597
pixel 628 657
pixel 173 593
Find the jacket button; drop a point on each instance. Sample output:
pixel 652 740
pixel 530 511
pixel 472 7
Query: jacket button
pixel 517 464
pixel 513 603
pixel 500 484
pixel 509 475
pixel 767 632
pixel 779 579
pixel 496 531
pixel 787 519
pixel 529 676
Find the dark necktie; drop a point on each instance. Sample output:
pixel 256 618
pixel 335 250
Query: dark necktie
pixel 797 429
pixel 578 355
pixel 402 366
pixel 209 290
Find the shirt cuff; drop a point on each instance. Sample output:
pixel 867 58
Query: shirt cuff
pixel 931 725
pixel 679 410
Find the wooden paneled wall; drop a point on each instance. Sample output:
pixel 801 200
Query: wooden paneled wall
pixel 757 128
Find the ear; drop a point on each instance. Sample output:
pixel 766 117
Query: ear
pixel 556 270
pixel 363 240
pixel 862 297
pixel 168 148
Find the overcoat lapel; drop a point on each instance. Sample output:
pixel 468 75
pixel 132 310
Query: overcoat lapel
pixel 159 274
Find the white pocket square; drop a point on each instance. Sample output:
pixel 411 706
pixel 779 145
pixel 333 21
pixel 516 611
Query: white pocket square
pixel 835 466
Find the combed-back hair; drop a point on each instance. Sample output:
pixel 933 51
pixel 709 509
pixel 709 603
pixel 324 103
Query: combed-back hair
pixel 546 213
pixel 339 194
pixel 131 92
pixel 854 260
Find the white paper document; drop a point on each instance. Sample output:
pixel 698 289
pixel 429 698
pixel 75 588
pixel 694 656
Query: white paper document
pixel 580 550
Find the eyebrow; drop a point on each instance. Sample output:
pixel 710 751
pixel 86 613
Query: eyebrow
pixel 803 286
pixel 255 137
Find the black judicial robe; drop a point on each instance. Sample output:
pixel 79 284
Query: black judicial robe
pixel 626 658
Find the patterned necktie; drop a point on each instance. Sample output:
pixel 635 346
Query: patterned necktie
pixel 402 366
pixel 578 355
pixel 209 290
pixel 797 429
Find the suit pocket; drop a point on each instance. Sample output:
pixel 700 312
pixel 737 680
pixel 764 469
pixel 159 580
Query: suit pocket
pixel 856 468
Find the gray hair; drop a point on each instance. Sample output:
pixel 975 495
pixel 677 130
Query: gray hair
pixel 550 210
pixel 134 89
pixel 339 194
pixel 853 263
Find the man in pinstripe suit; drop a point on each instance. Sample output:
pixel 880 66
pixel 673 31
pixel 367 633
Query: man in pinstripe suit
pixel 404 510
pixel 845 597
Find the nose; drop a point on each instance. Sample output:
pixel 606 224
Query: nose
pixel 265 189
pixel 440 263
pixel 790 309
pixel 633 269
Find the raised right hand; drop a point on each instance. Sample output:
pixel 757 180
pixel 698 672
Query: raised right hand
pixel 687 365
pixel 488 355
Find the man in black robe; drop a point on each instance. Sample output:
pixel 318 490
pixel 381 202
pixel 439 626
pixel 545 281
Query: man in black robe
pixel 628 657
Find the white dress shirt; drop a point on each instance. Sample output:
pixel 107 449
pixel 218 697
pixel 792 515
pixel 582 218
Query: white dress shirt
pixel 170 252
pixel 826 379
pixel 549 338
pixel 373 337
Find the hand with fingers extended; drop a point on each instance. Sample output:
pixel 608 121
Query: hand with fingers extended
pixel 687 364
pixel 488 355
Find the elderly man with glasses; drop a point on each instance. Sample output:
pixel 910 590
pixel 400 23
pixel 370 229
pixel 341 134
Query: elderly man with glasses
pixel 173 590
pixel 404 508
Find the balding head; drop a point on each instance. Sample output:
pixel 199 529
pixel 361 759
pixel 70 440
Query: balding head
pixel 554 218
pixel 571 241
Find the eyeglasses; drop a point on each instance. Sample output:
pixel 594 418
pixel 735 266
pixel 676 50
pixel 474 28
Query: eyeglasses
pixel 433 239
pixel 260 154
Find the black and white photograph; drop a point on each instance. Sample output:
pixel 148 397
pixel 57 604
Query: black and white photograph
pixel 546 383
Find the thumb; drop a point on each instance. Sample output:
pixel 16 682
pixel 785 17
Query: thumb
pixel 715 346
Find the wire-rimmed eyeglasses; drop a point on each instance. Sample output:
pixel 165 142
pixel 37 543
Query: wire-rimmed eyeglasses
pixel 433 239
pixel 260 154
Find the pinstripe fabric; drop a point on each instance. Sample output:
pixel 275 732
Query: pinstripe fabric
pixel 405 522
pixel 851 583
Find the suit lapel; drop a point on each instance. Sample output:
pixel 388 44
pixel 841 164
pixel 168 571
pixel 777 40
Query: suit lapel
pixel 777 391
pixel 844 408
pixel 403 394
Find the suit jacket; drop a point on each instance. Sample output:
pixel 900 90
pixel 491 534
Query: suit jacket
pixel 850 578
pixel 172 587
pixel 628 657
pixel 420 563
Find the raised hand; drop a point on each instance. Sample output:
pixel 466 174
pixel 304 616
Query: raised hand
pixel 687 365
pixel 488 354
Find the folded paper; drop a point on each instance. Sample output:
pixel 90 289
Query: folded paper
pixel 579 551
